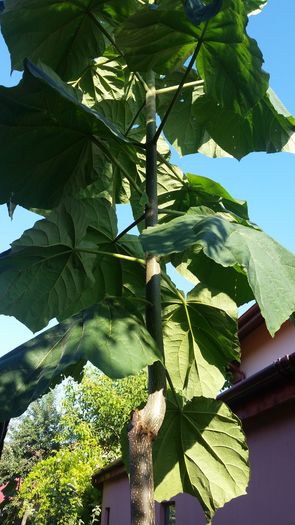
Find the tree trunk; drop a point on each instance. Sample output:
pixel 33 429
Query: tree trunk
pixel 145 424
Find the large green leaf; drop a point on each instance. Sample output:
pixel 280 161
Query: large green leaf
pixel 200 450
pixel 64 34
pixel 111 335
pixel 202 191
pixel 268 126
pixel 195 266
pixel 207 192
pixel 157 39
pixel 229 61
pixel 200 340
pixel 270 268
pixel 182 128
pixel 46 274
pixel 192 263
pixel 52 144
pixel 198 123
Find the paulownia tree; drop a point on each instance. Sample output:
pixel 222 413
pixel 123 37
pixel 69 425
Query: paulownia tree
pixel 107 86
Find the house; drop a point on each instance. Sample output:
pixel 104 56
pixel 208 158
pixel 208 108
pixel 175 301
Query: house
pixel 265 401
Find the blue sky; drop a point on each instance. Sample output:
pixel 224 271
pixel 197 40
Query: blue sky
pixel 267 182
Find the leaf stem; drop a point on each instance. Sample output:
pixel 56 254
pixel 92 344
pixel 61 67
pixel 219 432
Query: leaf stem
pixel 134 119
pixel 176 95
pixel 168 89
pixel 168 211
pixel 111 254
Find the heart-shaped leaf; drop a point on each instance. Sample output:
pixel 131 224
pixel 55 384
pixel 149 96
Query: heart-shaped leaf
pixel 200 340
pixel 200 450
pixel 228 61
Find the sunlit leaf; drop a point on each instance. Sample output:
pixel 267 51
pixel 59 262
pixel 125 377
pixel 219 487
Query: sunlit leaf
pixel 228 61
pixel 114 92
pixel 200 340
pixel 268 126
pixel 47 274
pixel 270 268
pixel 198 123
pixel 254 7
pixel 200 450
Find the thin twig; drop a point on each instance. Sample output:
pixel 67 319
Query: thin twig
pixel 176 95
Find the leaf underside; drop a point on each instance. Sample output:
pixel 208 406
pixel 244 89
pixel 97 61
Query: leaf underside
pixel 200 450
pixel 111 335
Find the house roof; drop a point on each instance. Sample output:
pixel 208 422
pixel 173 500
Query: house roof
pixel 250 320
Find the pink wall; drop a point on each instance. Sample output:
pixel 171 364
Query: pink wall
pixel 116 497
pixel 271 494
pixel 259 349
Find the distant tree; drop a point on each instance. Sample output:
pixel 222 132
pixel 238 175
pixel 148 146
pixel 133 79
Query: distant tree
pixel 56 451
pixel 31 439
pixel 104 404
pixel 58 490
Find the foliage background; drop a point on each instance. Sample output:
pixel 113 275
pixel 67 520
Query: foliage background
pixel 59 442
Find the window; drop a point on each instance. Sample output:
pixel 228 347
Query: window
pixel 107 512
pixel 169 513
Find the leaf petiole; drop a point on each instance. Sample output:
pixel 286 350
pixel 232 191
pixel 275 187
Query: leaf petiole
pixel 111 254
pixel 177 93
